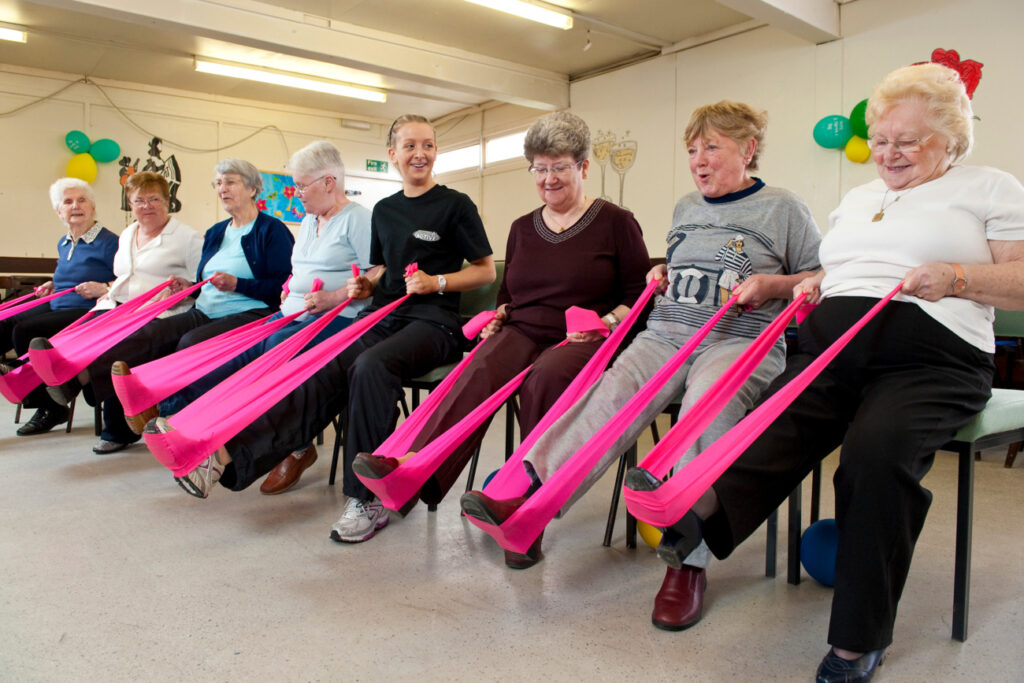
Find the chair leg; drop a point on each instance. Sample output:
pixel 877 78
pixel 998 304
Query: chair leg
pixel 17 413
pixel 71 415
pixel 795 521
pixel 613 510
pixel 510 427
pixel 1011 453
pixel 815 492
pixel 771 543
pixel 964 524
pixel 339 440
pixel 631 456
pixel 472 469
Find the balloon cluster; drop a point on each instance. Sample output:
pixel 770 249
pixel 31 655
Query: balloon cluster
pixel 849 134
pixel 83 164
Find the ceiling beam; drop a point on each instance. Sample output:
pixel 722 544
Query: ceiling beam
pixel 264 26
pixel 816 21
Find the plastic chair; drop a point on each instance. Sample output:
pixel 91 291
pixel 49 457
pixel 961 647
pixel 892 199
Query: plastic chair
pixel 999 424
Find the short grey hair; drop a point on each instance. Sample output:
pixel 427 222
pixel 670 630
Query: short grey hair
pixel 942 92
pixel 62 185
pixel 249 174
pixel 558 133
pixel 318 158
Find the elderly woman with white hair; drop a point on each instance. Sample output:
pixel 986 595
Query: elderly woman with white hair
pixel 953 235
pixel 334 236
pixel 247 257
pixel 85 263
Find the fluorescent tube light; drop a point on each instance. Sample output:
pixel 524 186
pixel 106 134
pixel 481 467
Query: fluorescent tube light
pixel 253 73
pixel 528 11
pixel 13 33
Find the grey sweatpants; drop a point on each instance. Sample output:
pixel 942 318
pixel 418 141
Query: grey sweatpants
pixel 633 368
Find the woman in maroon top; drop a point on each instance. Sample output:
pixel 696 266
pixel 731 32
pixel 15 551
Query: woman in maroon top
pixel 572 251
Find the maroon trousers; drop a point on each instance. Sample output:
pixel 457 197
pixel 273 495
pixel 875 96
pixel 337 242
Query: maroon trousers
pixel 499 360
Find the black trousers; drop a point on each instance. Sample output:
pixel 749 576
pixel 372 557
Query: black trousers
pixel 18 330
pixel 896 394
pixel 366 379
pixel 156 339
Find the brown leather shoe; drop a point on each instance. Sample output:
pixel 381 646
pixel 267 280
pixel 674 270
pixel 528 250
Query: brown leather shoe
pixel 525 560
pixel 680 602
pixel 287 473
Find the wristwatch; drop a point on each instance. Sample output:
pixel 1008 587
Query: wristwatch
pixel 959 281
pixel 611 320
pixel 441 284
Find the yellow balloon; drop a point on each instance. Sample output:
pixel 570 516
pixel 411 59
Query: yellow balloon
pixel 650 534
pixel 82 166
pixel 857 150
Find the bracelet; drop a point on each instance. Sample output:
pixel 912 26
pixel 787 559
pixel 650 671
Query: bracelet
pixel 611 321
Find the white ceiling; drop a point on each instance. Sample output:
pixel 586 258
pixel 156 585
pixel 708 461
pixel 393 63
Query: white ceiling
pixel 432 56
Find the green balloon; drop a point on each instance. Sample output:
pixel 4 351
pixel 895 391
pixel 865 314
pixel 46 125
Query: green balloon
pixel 833 131
pixel 77 141
pixel 105 150
pixel 857 122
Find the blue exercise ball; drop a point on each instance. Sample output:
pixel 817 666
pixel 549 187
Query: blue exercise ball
pixel 818 551
pixel 488 479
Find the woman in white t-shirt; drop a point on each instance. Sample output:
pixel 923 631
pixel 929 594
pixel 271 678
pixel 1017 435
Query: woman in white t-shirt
pixel 920 370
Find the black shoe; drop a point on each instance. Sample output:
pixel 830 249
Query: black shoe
pixel 835 669
pixel 680 539
pixel 639 479
pixel 43 421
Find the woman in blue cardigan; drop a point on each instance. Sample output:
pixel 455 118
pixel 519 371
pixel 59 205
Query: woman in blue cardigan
pixel 248 258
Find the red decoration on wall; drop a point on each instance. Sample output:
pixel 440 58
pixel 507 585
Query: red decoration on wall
pixel 969 70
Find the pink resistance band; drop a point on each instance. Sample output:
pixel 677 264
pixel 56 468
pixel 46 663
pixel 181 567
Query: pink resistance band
pixel 19 382
pixel 73 353
pixel 20 308
pixel 214 418
pixel 518 532
pixel 395 489
pixel 20 299
pixel 511 480
pixel 152 382
pixel 667 504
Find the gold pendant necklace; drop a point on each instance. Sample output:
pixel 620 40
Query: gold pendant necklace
pixel 881 209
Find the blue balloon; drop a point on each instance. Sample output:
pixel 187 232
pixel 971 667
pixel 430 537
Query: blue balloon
pixel 818 551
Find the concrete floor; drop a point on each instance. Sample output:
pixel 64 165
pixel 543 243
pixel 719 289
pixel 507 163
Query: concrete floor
pixel 109 572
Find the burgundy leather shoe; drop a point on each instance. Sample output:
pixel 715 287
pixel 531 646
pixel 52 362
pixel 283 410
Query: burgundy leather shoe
pixel 374 466
pixel 287 473
pixel 680 602
pixel 136 423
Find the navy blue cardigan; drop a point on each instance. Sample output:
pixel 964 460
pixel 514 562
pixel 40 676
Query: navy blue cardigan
pixel 267 248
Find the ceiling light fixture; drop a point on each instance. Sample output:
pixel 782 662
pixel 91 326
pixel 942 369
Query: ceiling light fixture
pixel 528 11
pixel 13 33
pixel 253 73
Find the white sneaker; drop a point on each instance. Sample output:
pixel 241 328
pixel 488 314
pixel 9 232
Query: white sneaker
pixel 360 522
pixel 200 481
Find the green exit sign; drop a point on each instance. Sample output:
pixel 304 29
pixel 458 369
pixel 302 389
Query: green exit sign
pixel 376 165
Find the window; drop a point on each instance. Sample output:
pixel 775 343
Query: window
pixel 505 147
pixel 458 159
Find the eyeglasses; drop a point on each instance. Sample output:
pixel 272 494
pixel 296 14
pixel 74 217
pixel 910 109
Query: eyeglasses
pixel 301 189
pixel 140 202
pixel 559 170
pixel 224 182
pixel 901 146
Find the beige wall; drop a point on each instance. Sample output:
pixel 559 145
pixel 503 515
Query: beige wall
pixel 798 84
pixel 35 154
pixel 795 82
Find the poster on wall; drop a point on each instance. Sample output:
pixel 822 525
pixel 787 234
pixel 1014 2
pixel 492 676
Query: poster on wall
pixel 279 198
